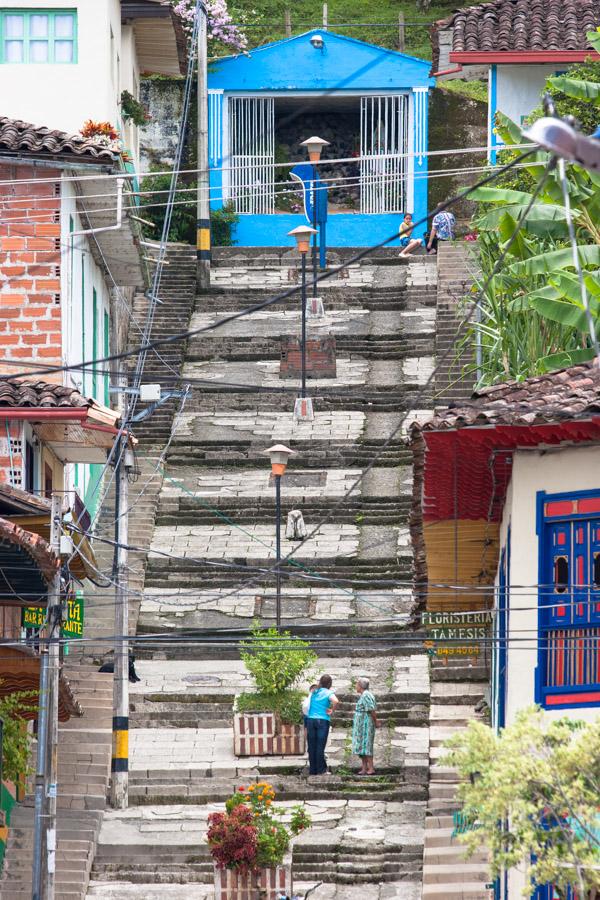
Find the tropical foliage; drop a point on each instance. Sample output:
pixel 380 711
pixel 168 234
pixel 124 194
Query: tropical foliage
pixel 532 315
pixel 249 835
pixel 16 740
pixel 541 777
pixel 277 661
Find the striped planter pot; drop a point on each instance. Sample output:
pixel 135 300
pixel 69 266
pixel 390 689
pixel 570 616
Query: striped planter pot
pixel 262 734
pixel 266 884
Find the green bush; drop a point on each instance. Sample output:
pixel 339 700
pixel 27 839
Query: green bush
pixel 153 207
pixel 287 705
pixel 221 225
pixel 275 659
pixel 16 739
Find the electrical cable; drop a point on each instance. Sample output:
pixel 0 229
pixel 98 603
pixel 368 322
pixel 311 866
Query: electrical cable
pixel 330 273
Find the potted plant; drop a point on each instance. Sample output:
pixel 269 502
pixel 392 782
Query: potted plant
pixel 268 721
pixel 134 111
pixel 102 133
pixel 249 845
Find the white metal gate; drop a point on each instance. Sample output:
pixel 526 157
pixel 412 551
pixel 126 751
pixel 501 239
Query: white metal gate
pixel 383 141
pixel 252 145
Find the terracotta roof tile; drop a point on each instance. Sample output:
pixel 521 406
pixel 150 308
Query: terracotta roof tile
pixel 15 392
pixel 526 25
pixel 17 136
pixel 33 545
pixel 569 393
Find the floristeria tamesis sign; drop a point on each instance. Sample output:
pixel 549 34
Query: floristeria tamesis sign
pixel 72 625
pixel 459 631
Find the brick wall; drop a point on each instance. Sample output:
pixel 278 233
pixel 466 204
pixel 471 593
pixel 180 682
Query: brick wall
pixel 30 258
pixel 320 358
pixel 456 273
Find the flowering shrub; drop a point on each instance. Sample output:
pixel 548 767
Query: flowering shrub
pixel 233 838
pixel 221 27
pixel 102 133
pixel 248 835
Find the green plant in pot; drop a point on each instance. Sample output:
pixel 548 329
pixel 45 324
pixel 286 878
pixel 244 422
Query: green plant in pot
pixel 277 662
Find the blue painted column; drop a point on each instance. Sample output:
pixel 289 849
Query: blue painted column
pixel 420 167
pixel 217 109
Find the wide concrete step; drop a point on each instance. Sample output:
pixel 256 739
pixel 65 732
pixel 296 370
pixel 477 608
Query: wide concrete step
pixel 467 890
pixel 454 873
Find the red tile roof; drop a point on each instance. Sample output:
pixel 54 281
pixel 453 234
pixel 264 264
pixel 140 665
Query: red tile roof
pixel 23 137
pixel 520 25
pixel 571 393
pixel 38 550
pixel 39 394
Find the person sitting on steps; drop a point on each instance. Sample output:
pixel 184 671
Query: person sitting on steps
pixel 407 242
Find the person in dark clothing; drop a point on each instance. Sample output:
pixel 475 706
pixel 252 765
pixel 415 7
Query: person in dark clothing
pixel 322 703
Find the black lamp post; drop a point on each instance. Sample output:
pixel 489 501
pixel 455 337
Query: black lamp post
pixel 314 145
pixel 279 455
pixel 302 235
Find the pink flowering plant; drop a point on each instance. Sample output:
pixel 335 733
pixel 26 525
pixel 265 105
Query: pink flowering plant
pixel 223 30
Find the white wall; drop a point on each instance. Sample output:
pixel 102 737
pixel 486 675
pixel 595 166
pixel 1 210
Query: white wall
pixel 63 96
pixel 573 469
pixel 77 298
pixel 519 89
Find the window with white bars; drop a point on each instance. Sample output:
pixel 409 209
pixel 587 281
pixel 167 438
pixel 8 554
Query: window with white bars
pixel 383 149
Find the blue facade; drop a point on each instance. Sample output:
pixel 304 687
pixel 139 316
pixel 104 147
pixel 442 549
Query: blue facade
pixel 342 68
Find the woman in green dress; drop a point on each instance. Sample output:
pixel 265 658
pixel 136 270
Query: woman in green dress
pixel 363 726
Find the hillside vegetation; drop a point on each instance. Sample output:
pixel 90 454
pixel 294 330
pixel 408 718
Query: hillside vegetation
pixel 269 17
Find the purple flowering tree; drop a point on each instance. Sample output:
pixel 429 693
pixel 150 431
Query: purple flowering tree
pixel 222 30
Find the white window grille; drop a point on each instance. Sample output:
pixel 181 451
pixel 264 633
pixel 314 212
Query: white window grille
pixel 252 143
pixel 383 148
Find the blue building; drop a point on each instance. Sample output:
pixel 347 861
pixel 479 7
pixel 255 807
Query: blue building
pixel 370 103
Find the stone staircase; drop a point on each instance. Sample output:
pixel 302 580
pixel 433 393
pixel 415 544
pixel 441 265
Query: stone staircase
pixel 456 273
pixel 214 529
pixel 159 839
pixel 84 751
pixel 447 872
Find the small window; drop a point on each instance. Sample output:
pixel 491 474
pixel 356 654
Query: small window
pixel 561 574
pixel 38 36
pixel 596 572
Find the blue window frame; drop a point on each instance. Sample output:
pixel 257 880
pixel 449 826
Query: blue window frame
pixel 568 672
pixel 38 36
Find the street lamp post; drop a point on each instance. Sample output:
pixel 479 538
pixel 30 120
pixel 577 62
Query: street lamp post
pixel 279 455
pixel 302 234
pixel 314 145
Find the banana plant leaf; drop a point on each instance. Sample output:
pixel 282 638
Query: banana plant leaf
pixel 561 311
pixel 542 218
pixel 580 90
pixel 546 263
pixel 566 358
pixel 499 195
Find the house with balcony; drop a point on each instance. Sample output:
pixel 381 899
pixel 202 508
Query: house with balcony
pixel 506 518
pixel 517 45
pixel 71 263
pixel 72 61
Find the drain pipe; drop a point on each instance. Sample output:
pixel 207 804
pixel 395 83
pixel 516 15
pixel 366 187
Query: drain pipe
pixel 119 223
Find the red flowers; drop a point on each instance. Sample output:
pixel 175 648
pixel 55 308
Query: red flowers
pixel 233 839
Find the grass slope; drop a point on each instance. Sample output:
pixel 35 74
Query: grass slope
pixel 309 13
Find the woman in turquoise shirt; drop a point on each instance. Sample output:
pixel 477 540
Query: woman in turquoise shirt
pixel 322 703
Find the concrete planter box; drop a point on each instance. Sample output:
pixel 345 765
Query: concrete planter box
pixel 262 734
pixel 266 884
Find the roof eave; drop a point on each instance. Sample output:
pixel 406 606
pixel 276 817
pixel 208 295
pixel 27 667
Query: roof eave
pixel 508 57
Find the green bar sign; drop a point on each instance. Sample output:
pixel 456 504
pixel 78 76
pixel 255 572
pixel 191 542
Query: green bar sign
pixel 72 626
pixel 33 617
pixel 449 619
